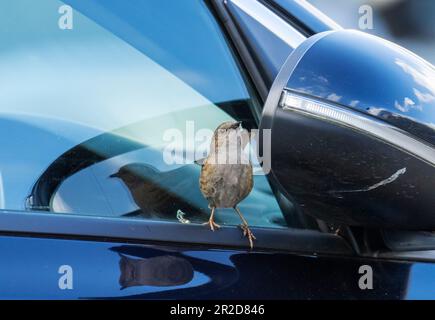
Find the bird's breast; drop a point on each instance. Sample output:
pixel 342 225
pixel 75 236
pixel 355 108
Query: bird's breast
pixel 225 185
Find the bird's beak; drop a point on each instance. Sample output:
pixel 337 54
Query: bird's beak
pixel 115 175
pixel 237 124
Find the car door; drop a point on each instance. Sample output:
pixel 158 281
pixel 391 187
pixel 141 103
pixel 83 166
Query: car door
pixel 94 89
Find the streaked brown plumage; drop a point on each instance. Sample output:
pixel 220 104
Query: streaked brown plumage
pixel 226 175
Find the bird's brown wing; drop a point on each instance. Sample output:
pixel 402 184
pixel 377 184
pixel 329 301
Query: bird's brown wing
pixel 246 182
pixel 209 183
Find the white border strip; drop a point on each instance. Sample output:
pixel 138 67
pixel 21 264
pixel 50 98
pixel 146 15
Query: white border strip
pixel 271 21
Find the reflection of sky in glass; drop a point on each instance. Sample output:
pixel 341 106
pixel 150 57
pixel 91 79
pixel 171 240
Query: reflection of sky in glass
pixel 421 282
pixel 386 80
pixel 62 87
pixel 217 256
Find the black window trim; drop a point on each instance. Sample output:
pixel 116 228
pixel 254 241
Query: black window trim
pixel 128 229
pixel 237 37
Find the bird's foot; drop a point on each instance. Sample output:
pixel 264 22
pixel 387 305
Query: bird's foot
pixel 248 233
pixel 212 224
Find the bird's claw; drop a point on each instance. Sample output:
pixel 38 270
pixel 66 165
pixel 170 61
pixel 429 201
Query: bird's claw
pixel 248 233
pixel 212 224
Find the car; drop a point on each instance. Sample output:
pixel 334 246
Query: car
pixel 106 105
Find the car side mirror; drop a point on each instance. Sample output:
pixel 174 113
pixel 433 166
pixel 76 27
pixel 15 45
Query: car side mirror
pixel 352 120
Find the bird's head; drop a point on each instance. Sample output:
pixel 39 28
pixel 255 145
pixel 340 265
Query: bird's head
pixel 229 125
pixel 126 175
pixel 229 133
pixel 228 128
pixel 134 173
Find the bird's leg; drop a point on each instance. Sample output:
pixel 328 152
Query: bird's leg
pixel 246 231
pixel 211 222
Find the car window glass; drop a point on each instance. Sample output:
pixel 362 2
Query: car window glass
pixel 79 102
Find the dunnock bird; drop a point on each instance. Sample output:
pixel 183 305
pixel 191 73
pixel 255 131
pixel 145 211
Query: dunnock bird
pixel 226 174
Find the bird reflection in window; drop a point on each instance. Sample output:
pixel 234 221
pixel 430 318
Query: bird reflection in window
pixel 160 195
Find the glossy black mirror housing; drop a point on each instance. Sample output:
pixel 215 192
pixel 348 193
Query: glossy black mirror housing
pixel 337 172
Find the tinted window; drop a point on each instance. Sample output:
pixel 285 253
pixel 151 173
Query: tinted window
pixel 79 106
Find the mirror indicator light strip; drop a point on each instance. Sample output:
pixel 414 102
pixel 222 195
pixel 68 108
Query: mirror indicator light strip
pixel 358 121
